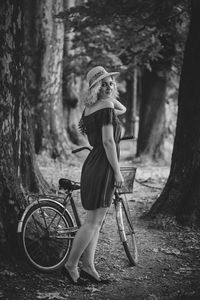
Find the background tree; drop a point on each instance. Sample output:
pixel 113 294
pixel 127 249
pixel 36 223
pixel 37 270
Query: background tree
pixel 181 195
pixel 155 80
pixel 45 51
pixel 72 83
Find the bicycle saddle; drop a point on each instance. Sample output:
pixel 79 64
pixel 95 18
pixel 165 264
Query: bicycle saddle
pixel 67 184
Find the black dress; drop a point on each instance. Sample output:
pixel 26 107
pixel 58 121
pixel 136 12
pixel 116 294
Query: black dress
pixel 97 176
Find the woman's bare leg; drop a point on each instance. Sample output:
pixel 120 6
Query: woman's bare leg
pixel 82 239
pixel 88 256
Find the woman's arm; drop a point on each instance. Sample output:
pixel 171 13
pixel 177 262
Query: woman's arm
pixel 111 152
pixel 119 108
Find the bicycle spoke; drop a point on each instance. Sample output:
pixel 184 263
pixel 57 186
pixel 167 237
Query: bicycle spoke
pixel 38 224
pixel 55 215
pixel 34 252
pixel 30 242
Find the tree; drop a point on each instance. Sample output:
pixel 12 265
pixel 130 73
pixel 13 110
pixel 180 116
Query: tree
pixel 155 81
pixel 72 84
pixel 18 169
pixel 45 50
pixel 152 115
pixel 181 194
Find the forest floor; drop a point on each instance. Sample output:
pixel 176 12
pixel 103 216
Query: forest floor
pixel 169 255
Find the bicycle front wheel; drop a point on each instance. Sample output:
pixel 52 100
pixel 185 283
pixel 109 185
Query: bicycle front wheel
pixel 46 237
pixel 126 230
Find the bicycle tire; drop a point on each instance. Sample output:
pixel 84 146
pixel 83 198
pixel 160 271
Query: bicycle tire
pixel 41 237
pixel 126 230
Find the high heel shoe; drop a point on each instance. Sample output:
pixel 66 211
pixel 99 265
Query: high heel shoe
pixel 88 276
pixel 79 281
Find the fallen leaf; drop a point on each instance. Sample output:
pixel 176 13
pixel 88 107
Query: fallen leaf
pixel 92 289
pixel 155 250
pixel 51 295
pixel 172 251
pixel 152 297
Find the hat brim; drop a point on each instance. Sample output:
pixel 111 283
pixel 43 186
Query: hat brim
pixel 104 76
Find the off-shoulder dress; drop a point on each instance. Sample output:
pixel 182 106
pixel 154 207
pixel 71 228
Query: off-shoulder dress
pixel 97 176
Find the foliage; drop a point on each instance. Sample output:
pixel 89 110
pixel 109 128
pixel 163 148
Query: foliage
pixel 125 33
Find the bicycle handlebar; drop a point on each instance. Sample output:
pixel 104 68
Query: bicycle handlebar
pixel 131 137
pixel 88 148
pixel 80 149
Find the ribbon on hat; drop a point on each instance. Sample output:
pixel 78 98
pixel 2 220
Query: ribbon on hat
pixel 95 77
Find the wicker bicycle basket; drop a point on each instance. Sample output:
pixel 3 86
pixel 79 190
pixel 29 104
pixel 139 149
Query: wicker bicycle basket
pixel 129 175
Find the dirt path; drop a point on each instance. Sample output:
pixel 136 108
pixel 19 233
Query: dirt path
pixel 169 256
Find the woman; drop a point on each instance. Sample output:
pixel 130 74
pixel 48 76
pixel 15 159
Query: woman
pixel 100 172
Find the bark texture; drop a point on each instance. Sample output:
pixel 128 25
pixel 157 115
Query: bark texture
pixel 72 84
pixel 18 170
pixel 12 102
pixel 181 195
pixel 129 123
pixel 44 48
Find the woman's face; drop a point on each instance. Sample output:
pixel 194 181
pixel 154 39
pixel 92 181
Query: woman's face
pixel 107 87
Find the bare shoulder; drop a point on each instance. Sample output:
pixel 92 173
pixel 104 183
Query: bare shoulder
pixel 103 104
pixel 107 103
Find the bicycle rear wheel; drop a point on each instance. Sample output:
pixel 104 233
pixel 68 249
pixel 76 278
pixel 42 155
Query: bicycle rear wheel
pixel 46 238
pixel 126 230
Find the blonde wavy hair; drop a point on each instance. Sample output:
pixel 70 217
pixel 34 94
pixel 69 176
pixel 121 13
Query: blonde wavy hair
pixel 92 95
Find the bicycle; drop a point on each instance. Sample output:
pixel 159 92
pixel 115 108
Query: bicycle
pixel 47 229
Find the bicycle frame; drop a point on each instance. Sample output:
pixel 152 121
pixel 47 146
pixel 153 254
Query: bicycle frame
pixel 68 198
pixel 52 221
pixel 116 200
pixel 74 209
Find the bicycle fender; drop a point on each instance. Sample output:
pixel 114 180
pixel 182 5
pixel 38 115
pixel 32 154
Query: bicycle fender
pixel 20 223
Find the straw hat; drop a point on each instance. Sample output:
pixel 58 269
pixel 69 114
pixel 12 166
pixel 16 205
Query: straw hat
pixel 98 73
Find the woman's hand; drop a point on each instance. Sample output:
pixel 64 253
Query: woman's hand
pixel 119 180
pixel 119 108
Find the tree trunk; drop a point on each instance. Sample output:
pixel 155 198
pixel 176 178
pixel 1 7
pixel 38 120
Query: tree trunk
pixel 152 116
pixel 72 85
pixel 128 96
pixel 55 138
pixel 73 110
pixel 34 48
pixel 18 170
pixel 130 99
pixel 181 195
pixel 44 47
